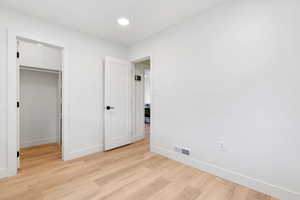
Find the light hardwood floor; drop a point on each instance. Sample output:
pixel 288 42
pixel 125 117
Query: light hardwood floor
pixel 127 173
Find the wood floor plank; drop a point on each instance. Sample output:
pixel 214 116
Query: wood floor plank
pixel 240 193
pixel 149 190
pixel 189 193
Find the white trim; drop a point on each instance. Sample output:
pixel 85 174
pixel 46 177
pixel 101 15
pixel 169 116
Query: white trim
pixel 12 132
pixel 39 142
pixel 65 104
pixel 255 184
pixel 84 152
pixel 138 138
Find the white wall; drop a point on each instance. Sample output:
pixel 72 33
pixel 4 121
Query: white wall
pixel 39 106
pixel 84 84
pixel 40 56
pixel 231 75
pixel 3 103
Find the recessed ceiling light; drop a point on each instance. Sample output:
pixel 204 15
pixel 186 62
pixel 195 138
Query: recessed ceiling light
pixel 123 21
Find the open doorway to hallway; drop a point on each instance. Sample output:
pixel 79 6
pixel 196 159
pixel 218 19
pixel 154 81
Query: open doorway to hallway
pixel 142 99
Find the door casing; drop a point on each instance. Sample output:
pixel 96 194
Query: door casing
pixel 12 98
pixel 60 97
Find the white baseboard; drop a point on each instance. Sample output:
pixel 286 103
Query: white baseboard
pixel 7 173
pixel 38 142
pixel 255 184
pixel 83 152
pixel 139 138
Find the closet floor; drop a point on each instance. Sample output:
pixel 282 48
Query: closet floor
pixel 38 155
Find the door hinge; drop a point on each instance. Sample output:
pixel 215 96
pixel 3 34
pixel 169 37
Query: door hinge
pixel 18 104
pixel 18 54
pixel 18 154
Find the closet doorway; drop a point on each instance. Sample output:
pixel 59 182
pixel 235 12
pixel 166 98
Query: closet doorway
pixel 39 103
pixel 142 99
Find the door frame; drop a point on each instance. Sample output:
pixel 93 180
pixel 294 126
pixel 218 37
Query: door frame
pixel 12 97
pixel 134 62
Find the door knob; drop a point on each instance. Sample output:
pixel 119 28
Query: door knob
pixel 109 107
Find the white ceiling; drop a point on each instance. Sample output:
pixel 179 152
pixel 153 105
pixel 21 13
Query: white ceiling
pixel 99 17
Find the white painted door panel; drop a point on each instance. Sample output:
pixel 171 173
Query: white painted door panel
pixel 118 97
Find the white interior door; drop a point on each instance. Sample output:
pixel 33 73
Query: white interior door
pixel 117 103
